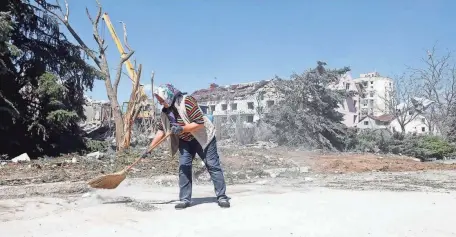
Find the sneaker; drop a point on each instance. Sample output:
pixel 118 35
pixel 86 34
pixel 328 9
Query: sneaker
pixel 224 203
pixel 182 205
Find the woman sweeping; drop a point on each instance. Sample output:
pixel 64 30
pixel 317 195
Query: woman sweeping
pixel 192 133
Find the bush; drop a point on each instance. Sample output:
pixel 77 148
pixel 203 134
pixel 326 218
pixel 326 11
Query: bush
pixel 96 145
pixel 369 140
pixel 419 146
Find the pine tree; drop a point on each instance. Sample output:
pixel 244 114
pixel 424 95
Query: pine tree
pixel 307 115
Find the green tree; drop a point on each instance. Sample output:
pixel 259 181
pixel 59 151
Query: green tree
pixel 43 78
pixel 307 114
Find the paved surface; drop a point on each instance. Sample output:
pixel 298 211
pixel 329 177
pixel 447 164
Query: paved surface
pixel 257 210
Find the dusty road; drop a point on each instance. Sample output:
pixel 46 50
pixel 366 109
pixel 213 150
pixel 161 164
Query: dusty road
pixel 265 208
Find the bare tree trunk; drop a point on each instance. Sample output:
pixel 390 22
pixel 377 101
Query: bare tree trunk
pixel 123 133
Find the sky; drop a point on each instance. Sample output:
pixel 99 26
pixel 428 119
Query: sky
pixel 192 44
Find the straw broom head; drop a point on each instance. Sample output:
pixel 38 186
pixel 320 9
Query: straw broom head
pixel 109 181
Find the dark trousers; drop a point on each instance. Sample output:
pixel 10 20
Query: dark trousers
pixel 188 150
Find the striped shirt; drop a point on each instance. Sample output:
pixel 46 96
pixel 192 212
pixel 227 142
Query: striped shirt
pixel 194 113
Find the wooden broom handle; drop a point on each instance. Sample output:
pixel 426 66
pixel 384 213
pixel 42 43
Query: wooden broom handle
pixel 147 151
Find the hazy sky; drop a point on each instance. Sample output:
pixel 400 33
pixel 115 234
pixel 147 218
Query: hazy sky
pixel 190 43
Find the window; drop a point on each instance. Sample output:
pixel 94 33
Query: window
pixel 250 119
pixel 366 123
pixel 234 106
pixel 371 111
pixel 410 113
pixel 371 94
pixel 354 118
pixel 224 107
pixel 372 82
pixel 354 103
pixel 250 105
pixel 347 86
pixel 212 108
pixel 423 120
pixel 270 103
pixel 371 102
pixel 423 129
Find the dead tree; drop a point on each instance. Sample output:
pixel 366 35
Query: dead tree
pixel 438 81
pixel 398 101
pixel 123 123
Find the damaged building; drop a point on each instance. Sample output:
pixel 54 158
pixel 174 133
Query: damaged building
pixel 98 114
pixel 245 102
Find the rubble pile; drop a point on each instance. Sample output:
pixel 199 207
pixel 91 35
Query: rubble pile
pixel 216 92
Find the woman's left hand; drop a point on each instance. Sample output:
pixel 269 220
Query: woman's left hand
pixel 176 129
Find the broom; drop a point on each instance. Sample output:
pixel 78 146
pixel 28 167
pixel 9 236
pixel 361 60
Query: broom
pixel 111 181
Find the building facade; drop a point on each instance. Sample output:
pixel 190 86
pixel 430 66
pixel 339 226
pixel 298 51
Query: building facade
pixel 245 102
pixel 375 94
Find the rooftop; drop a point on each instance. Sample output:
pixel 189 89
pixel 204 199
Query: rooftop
pixel 235 91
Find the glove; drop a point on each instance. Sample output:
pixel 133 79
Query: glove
pixel 176 129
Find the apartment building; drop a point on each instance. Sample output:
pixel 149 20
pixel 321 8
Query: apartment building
pixel 349 106
pixel 375 93
pixel 245 102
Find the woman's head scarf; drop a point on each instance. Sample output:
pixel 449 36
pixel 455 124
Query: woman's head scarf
pixel 167 92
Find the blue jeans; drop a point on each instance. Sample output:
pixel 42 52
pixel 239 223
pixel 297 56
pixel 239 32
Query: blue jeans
pixel 188 150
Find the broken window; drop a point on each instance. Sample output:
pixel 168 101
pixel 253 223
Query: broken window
pixel 234 106
pixel 224 107
pixel 250 119
pixel 250 105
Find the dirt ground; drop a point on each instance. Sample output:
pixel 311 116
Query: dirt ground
pixel 352 194
pixel 233 160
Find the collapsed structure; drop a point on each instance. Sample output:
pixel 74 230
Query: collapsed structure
pixel 245 102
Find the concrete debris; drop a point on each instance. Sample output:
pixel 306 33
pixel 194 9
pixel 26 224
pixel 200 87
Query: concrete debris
pixel 308 179
pixel 304 169
pixel 166 180
pixel 21 158
pixel 239 91
pixel 262 144
pixel 95 155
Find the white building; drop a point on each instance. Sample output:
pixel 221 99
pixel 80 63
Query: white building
pixel 246 102
pixel 375 94
pixel 411 117
pixel 376 122
pixel 416 125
